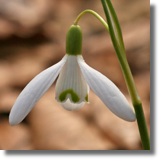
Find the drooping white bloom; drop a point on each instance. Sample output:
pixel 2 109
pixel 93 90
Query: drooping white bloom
pixel 72 87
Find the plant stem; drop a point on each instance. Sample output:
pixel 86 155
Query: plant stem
pixel 117 40
pixel 93 13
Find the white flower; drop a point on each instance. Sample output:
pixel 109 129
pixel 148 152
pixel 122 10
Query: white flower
pixel 71 89
pixel 72 86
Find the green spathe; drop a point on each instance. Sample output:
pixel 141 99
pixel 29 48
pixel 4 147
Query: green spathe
pixel 74 40
pixel 74 96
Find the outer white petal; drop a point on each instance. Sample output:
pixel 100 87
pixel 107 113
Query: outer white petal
pixel 34 91
pixel 107 91
pixel 68 105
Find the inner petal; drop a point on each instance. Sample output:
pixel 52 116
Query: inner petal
pixel 71 83
pixel 71 106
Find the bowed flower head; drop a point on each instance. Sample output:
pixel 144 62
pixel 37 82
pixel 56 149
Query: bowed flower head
pixel 72 87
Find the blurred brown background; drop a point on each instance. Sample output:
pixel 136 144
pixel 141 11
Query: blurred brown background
pixel 32 38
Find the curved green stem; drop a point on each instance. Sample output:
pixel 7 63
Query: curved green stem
pixel 117 40
pixel 95 14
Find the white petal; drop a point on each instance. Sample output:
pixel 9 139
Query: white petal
pixel 34 91
pixel 107 91
pixel 71 106
pixel 71 83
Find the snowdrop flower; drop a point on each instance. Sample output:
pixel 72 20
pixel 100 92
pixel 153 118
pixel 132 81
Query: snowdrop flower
pixel 72 87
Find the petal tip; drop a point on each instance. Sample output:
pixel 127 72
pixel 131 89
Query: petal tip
pixel 68 105
pixel 132 118
pixel 15 119
pixel 13 122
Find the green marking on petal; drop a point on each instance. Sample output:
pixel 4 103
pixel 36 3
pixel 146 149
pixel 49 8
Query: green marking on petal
pixel 74 96
pixel 86 98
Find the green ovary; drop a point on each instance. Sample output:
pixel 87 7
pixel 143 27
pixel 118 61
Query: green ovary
pixel 74 40
pixel 74 96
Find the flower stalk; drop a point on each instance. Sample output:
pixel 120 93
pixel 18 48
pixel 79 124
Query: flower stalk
pixel 117 40
pixel 93 13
